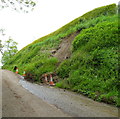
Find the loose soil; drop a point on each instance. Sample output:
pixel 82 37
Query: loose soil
pixel 64 50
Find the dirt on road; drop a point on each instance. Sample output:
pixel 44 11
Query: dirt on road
pixel 18 102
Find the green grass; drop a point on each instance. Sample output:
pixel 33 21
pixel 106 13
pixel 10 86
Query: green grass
pixel 92 68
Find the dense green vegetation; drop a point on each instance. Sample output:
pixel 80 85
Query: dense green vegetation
pixel 92 68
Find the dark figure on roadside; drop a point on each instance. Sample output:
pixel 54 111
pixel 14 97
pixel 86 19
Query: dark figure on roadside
pixel 15 68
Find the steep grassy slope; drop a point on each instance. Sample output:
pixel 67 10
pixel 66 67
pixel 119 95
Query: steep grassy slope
pixel 92 64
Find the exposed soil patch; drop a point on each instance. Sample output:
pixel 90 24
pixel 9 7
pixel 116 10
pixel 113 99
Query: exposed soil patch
pixel 64 50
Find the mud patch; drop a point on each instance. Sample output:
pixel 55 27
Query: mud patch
pixel 64 50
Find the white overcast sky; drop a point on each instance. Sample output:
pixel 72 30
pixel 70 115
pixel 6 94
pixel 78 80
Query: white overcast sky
pixel 48 16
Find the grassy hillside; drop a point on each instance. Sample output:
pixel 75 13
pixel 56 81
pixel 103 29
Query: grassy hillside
pixel 92 66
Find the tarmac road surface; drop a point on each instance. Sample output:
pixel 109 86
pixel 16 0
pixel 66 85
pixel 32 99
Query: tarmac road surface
pixel 18 102
pixel 23 99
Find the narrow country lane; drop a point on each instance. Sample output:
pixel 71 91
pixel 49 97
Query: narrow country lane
pixel 23 99
pixel 18 102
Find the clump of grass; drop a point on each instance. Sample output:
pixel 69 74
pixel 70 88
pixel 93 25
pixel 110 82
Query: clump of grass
pixel 64 84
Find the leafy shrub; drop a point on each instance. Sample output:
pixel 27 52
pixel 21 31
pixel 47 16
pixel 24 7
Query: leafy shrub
pixel 102 35
pixel 64 84
pixel 63 70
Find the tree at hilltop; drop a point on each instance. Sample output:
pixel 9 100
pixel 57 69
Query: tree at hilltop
pixel 18 5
